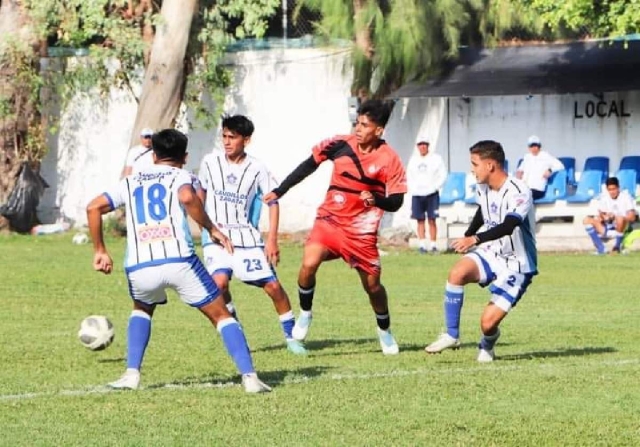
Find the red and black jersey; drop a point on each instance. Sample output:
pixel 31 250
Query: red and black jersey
pixel 380 171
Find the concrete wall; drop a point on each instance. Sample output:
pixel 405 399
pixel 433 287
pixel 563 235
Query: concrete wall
pixel 298 97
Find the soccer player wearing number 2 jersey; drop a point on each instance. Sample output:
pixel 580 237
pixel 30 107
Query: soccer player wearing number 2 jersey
pixel 160 254
pixel 232 184
pixel 368 178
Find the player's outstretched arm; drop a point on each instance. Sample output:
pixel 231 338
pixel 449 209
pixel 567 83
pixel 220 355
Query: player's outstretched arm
pixel 100 205
pixel 195 209
pixel 304 169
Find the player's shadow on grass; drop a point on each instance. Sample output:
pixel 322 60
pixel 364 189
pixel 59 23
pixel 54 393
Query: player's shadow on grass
pixel 113 360
pixel 272 378
pixel 569 352
pixel 420 347
pixel 323 347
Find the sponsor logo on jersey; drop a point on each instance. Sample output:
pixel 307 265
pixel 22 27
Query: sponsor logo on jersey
pixel 230 196
pixel 147 235
pixel 339 198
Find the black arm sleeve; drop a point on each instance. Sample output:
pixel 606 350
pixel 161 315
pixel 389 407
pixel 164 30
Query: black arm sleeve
pixel 475 224
pixel 303 170
pixel 504 229
pixel 391 203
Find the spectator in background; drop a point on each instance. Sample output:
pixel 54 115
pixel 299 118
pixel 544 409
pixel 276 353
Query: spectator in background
pixel 140 156
pixel 536 168
pixel 616 210
pixel 426 174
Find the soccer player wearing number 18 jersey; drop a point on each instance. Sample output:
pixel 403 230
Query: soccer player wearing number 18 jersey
pixel 368 178
pixel 160 254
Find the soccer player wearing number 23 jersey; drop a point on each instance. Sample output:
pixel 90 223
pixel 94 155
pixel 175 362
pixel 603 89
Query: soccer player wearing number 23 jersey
pixel 368 178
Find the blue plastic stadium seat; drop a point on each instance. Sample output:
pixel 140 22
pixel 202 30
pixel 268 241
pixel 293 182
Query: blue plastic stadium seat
pixel 631 162
pixel 570 166
pixel 597 164
pixel 556 188
pixel 627 179
pixel 454 188
pixel 589 186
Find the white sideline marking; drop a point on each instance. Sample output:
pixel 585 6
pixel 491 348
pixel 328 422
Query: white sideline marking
pixel 305 379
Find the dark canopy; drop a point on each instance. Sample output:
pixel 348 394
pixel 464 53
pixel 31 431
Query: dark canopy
pixel 578 67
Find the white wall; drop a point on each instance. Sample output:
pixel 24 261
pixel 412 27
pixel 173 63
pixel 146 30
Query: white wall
pixel 297 97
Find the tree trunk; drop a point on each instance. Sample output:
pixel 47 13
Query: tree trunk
pixel 364 49
pixel 163 85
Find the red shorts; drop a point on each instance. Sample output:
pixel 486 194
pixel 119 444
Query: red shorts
pixel 360 252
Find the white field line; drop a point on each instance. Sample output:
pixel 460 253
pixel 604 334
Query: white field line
pixel 300 379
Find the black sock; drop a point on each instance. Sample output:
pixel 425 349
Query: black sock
pixel 306 297
pixel 383 320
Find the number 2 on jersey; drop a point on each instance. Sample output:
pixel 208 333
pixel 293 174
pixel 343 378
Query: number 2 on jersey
pixel 151 204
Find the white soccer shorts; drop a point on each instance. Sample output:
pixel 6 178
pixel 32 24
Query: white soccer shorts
pixel 187 276
pixel 506 286
pixel 249 265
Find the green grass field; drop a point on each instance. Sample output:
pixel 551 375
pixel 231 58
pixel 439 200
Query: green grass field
pixel 566 373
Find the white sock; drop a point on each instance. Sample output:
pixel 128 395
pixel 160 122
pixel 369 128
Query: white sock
pixel 432 245
pixel 423 243
pixel 305 313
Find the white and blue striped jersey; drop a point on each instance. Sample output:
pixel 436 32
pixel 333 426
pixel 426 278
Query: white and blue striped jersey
pixel 513 198
pixel 234 193
pixel 157 227
pixel 619 206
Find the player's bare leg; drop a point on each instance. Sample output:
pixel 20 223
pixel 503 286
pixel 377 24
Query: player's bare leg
pixel 379 303
pixel 138 334
pixel 314 255
pixel 235 342
pixel 465 271
pixel 422 238
pixel 489 324
pixel 433 230
pixel 222 281
pixel 281 302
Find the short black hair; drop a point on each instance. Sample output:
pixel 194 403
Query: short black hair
pixel 489 149
pixel 378 111
pixel 170 144
pixel 612 181
pixel 239 124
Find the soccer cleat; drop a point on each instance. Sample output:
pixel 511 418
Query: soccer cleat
pixel 130 380
pixel 252 384
pixel 387 342
pixel 444 341
pixel 296 347
pixel 434 251
pixel 486 356
pixel 301 328
pixel 422 250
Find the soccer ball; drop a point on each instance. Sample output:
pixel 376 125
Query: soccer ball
pixel 80 238
pixel 96 332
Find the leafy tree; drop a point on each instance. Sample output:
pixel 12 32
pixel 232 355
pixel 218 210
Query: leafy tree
pixel 612 18
pixel 399 40
pixel 179 42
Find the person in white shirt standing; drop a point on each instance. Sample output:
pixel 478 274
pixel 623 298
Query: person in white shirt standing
pixel 426 174
pixel 140 156
pixel 616 210
pixel 536 168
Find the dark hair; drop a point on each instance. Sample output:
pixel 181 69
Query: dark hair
pixel 378 111
pixel 170 144
pixel 612 181
pixel 239 124
pixel 489 149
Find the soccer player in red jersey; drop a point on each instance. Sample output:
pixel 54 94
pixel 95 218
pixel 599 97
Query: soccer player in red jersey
pixel 368 178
